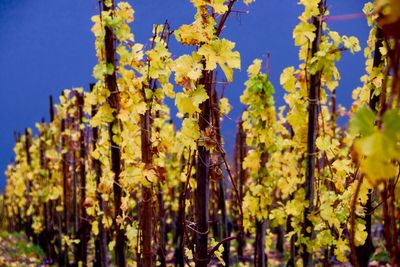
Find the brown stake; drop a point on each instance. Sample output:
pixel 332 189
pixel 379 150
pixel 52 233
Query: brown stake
pixel 314 87
pixel 101 253
pixel 203 180
pixel 83 222
pixel 66 217
pixel 147 193
pixel 113 99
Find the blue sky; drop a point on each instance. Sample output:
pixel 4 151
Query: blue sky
pixel 46 46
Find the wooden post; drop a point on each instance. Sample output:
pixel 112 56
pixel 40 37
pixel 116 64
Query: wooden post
pixel 180 223
pixel 313 89
pixel 221 179
pixel 83 221
pixel 47 233
pixel 260 259
pixel 101 253
pixel 66 214
pixel 147 193
pixel 203 181
pixel 75 177
pixel 56 221
pixel 162 227
pixel 240 154
pixel 28 219
pixel 111 83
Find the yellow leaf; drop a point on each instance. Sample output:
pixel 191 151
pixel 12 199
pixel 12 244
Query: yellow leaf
pixel 199 96
pixel 220 51
pixel 252 161
pixel 341 250
pixel 159 58
pixel 190 132
pixel 360 234
pixel 303 33
pixel 323 143
pixel 95 228
pixel 335 38
pixel 168 90
pixel 131 234
pixel 187 66
pixel 185 104
pixel 200 31
pixel 111 245
pixel 104 116
pixel 351 43
pixel 150 177
pixel 224 106
pixel 254 68
pixel 288 80
pixel 189 103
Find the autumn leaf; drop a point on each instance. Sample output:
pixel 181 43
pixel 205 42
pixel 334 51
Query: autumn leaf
pixel 220 52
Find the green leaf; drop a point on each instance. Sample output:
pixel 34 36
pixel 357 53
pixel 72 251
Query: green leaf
pixel 99 71
pixel 363 122
pixel 110 69
pixel 391 124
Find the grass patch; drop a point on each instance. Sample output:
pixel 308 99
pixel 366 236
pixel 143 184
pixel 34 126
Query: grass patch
pixel 17 250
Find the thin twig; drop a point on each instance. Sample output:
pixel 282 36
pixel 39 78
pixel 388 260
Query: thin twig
pixel 215 248
pixel 352 223
pixel 224 17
